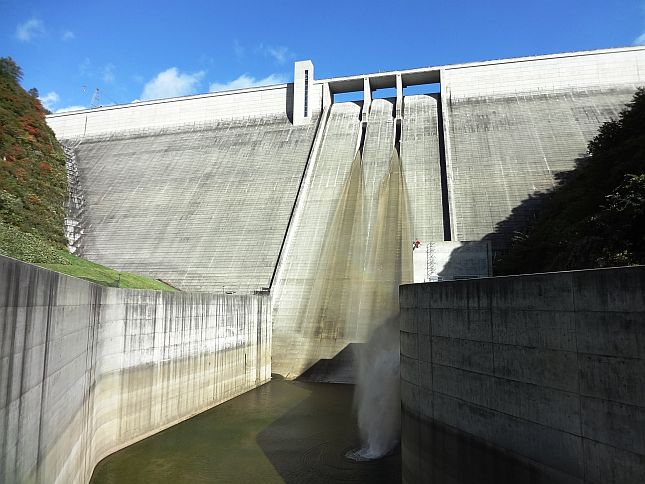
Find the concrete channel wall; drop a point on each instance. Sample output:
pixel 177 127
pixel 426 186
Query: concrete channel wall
pixel 535 378
pixel 86 369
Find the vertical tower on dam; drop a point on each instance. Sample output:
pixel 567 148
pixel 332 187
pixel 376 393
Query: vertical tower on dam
pixel 281 187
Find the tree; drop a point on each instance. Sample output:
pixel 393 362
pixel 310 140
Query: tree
pixel 596 216
pixel 8 67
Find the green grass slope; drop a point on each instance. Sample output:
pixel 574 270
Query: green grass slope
pixel 596 215
pixel 33 190
pixel 31 248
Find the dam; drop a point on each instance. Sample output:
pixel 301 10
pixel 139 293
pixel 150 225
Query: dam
pixel 287 220
pixel 238 191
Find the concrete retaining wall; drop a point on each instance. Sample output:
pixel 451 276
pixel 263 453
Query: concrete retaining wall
pixel 86 369
pixel 545 372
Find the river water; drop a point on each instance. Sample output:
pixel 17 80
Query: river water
pixel 292 432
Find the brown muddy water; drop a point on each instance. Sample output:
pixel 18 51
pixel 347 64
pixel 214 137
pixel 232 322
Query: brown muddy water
pixel 292 432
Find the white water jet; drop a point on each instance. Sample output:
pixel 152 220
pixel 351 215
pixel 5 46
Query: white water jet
pixel 377 398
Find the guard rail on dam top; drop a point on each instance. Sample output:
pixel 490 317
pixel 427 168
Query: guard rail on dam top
pixel 257 188
pixel 87 369
pixel 534 378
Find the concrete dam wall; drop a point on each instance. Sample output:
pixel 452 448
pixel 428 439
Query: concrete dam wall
pixel 205 208
pixel 535 378
pixel 86 369
pixel 282 187
pixel 506 149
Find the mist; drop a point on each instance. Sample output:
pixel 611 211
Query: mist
pixel 378 397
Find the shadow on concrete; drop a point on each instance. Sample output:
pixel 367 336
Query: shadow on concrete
pixel 436 453
pixel 443 171
pixel 289 102
pixel 339 369
pixel 520 218
pixel 309 442
pixel 527 212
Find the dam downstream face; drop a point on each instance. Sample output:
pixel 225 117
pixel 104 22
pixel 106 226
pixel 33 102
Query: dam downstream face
pixel 349 249
pixel 292 432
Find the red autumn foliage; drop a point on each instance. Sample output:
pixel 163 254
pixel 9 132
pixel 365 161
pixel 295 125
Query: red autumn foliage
pixel 45 168
pixel 31 161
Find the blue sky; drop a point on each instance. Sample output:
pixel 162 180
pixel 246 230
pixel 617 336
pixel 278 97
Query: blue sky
pixel 147 50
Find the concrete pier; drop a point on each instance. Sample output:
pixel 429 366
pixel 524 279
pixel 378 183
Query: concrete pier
pixel 86 369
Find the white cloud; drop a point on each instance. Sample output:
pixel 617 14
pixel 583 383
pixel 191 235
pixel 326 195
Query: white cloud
pixel 171 83
pixel 245 81
pixel 68 35
pixel 108 74
pixel 640 40
pixel 70 108
pixel 280 54
pixel 49 100
pixel 30 29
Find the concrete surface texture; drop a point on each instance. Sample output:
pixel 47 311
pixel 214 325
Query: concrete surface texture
pixel 506 149
pixel 547 369
pixel 350 244
pixel 204 209
pixel 329 177
pixel 598 69
pixel 512 126
pixel 86 370
pixel 422 167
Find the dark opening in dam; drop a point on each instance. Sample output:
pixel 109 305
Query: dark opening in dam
pixel 292 432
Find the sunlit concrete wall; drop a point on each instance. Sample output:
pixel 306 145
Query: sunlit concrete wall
pixel 188 110
pixel 512 126
pixel 545 75
pixel 420 156
pixel 205 209
pixel 535 378
pixel 86 370
pixel 297 304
